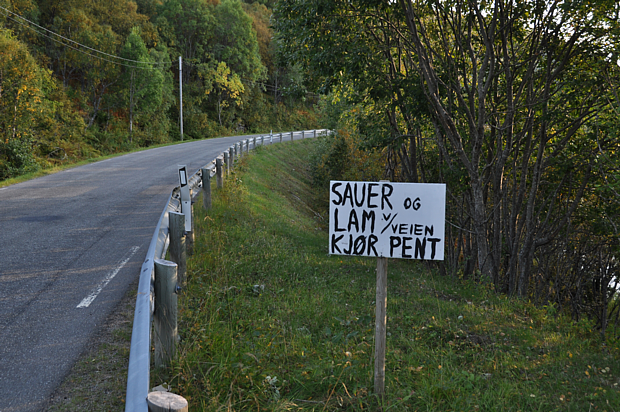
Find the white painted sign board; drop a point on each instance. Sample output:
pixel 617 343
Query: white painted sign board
pixel 186 200
pixel 384 219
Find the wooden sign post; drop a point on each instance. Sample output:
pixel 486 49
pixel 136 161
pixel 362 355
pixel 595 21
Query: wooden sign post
pixel 386 220
pixel 380 325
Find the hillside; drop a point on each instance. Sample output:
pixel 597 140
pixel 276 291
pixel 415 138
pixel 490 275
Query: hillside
pixel 270 321
pixel 84 79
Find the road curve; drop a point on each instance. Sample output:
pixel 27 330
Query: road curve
pixel 72 243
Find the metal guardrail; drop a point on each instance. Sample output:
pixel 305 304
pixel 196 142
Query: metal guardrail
pixel 138 374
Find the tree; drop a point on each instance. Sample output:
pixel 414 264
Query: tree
pixel 261 16
pixel 227 87
pixel 498 100
pixel 21 94
pixel 144 82
pixel 511 90
pixel 187 28
pixel 235 41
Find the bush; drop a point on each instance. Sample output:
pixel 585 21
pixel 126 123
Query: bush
pixel 340 157
pixel 16 158
pixel 343 155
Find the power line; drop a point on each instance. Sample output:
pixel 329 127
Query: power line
pixel 9 13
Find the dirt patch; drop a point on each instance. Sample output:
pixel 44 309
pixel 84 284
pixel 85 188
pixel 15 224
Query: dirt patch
pixel 98 380
pixel 443 296
pixel 479 340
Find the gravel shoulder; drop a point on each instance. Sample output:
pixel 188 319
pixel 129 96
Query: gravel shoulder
pixel 97 381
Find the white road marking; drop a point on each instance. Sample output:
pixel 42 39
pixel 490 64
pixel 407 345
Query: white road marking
pixel 96 291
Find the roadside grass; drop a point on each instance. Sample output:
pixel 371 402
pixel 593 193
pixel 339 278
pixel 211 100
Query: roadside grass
pixel 270 321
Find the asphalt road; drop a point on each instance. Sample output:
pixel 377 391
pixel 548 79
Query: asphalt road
pixel 66 238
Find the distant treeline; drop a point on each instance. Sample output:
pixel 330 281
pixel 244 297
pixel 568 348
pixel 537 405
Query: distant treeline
pixel 83 78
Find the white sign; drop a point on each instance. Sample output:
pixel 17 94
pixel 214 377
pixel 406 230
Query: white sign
pixel 383 219
pixel 186 199
pixel 182 176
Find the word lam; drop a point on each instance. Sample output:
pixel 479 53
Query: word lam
pixel 381 219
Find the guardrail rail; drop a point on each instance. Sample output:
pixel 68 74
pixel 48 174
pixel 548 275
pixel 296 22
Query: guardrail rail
pixel 138 374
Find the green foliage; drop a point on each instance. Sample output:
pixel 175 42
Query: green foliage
pixel 92 102
pixel 343 155
pixel 235 41
pixel 261 16
pixel 16 158
pixel 269 321
pixel 144 85
pixel 508 104
pixel 21 84
pixel 227 87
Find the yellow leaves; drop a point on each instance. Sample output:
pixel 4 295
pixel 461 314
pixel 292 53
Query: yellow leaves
pixel 21 82
pixel 227 84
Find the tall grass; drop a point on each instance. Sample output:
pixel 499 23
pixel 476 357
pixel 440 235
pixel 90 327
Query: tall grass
pixel 269 321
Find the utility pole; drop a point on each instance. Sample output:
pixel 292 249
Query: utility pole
pixel 181 93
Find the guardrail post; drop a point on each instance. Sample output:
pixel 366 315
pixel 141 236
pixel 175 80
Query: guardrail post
pixel 178 249
pixel 166 402
pixel 186 206
pixel 206 188
pixel 280 137
pixel 291 136
pixel 218 173
pixel 190 235
pixel 303 134
pixel 226 162
pixel 165 315
pixel 262 140
pixel 314 135
pixel 247 147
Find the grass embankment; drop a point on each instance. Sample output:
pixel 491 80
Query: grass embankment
pixel 270 321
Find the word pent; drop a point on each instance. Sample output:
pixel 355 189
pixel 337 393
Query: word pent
pixel 383 219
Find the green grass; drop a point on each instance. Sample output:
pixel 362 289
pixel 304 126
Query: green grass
pixel 270 321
